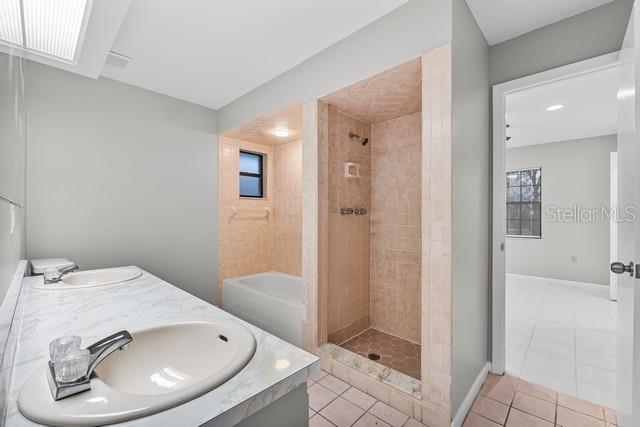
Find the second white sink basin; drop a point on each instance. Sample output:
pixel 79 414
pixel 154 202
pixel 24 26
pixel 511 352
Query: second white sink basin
pixel 162 367
pixel 92 278
pixel 107 276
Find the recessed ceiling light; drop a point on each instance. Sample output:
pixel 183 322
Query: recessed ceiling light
pixel 50 28
pixel 281 133
pixel 555 107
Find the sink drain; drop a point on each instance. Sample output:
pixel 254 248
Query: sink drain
pixel 374 356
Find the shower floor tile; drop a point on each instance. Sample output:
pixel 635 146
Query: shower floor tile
pixel 394 352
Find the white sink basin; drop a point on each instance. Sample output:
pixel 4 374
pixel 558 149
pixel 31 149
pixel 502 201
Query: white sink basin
pixel 92 278
pixel 163 367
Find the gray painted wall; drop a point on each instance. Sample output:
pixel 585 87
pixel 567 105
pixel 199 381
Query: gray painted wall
pixel 119 175
pixel 403 34
pixel 593 33
pixel 573 173
pixel 471 200
pixel 12 166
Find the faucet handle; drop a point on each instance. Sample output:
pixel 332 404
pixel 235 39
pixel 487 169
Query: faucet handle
pixel 61 346
pixel 72 366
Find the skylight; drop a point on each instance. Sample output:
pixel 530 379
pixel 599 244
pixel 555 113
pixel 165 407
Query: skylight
pixel 46 27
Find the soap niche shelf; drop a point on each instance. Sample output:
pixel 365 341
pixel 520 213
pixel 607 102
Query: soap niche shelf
pixel 351 170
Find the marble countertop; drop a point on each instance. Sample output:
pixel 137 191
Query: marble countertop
pixel 94 313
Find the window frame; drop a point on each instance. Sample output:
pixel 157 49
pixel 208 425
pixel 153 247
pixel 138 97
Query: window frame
pixel 506 187
pixel 259 175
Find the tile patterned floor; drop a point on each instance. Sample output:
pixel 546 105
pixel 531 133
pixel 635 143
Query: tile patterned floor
pixel 562 335
pixel 333 402
pixel 395 353
pixel 512 402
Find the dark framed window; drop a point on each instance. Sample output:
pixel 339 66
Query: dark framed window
pixel 251 174
pixel 524 203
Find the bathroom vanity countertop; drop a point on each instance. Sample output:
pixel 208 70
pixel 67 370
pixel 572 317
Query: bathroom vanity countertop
pixel 93 313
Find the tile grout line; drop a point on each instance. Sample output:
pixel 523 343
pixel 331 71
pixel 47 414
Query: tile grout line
pixel 509 408
pixel 340 395
pixel 510 405
pixel 556 405
pixel 366 411
pixel 482 416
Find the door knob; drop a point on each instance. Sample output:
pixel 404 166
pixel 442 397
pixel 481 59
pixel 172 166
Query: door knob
pixel 620 268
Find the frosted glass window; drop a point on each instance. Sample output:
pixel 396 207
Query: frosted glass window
pixel 10 22
pixel 251 174
pixel 50 27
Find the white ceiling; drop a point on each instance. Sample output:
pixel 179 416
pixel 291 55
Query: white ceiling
pixel 210 52
pixel 590 109
pixel 502 20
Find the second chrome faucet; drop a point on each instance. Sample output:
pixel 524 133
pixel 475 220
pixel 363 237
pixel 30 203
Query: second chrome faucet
pixel 56 275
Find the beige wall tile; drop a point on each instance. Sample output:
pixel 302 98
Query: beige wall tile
pixel 340 371
pixel 436 236
pixel 246 239
pixel 358 379
pixel 348 236
pixel 396 230
pixel 402 402
pixel 287 208
pixel 313 224
pixel 251 242
pixel 379 390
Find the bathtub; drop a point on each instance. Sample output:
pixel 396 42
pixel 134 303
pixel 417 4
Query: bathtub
pixel 271 301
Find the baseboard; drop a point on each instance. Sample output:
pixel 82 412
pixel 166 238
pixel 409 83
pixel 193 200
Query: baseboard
pixel 465 406
pixel 563 282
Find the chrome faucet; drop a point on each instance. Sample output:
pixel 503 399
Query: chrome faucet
pixel 98 351
pixel 61 272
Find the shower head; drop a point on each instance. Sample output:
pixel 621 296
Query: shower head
pixel 363 141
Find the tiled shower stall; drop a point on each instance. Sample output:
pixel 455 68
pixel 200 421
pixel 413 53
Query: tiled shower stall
pixel 378 285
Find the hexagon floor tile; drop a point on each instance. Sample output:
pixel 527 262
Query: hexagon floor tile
pixel 394 352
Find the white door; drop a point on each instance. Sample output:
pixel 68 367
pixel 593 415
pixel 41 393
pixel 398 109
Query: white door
pixel 628 350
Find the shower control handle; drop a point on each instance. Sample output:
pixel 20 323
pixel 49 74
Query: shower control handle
pixel 346 211
pixel 353 211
